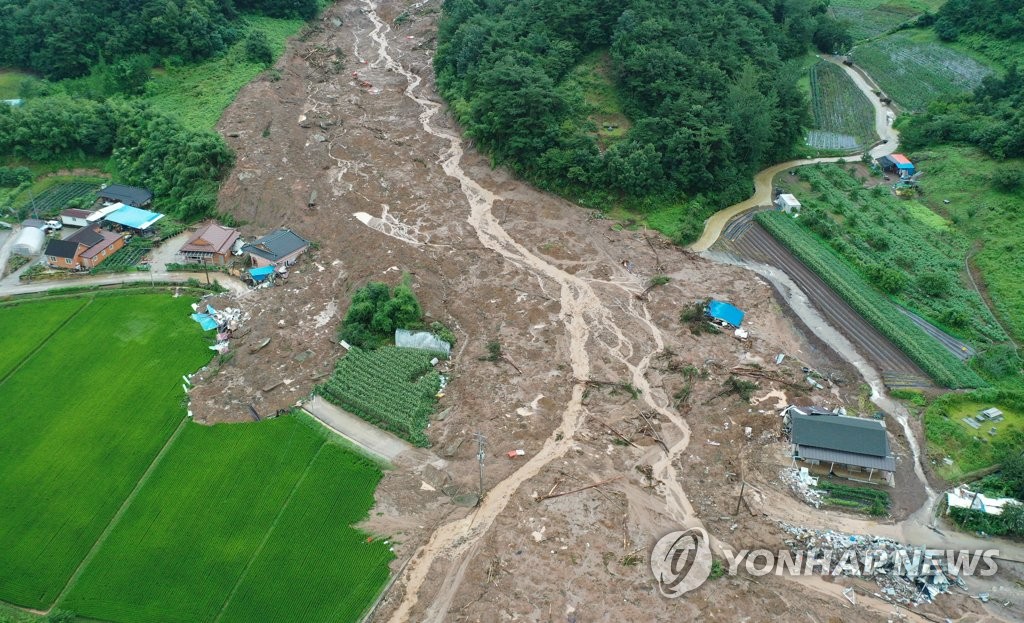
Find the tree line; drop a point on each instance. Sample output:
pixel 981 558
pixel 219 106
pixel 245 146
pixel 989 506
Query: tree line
pixel 66 38
pixel 992 117
pixel 709 86
pixel 182 167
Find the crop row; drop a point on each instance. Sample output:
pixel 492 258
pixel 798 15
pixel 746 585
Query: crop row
pixel 915 73
pixel 840 109
pixel 55 198
pixel 875 308
pixel 392 388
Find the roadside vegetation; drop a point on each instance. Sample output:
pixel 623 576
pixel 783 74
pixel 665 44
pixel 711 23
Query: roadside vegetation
pixel 530 83
pixel 844 119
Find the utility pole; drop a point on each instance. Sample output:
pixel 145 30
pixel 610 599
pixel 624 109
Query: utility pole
pixel 481 441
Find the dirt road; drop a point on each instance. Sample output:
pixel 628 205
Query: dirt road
pixel 763 180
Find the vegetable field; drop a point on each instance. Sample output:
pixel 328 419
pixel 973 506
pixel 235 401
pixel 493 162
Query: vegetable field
pixel 915 69
pixel 871 501
pixel 926 352
pixel 78 430
pixel 127 257
pixel 901 247
pixel 54 199
pixel 393 388
pixel 871 18
pixel 843 117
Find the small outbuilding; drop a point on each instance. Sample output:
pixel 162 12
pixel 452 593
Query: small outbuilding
pixel 281 247
pixel 133 218
pixel 74 217
pixel 847 446
pixel 725 313
pixel 128 195
pixel 211 244
pixel 898 164
pixel 29 242
pixel 787 203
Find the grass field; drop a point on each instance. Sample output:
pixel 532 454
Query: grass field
pixel 10 80
pixel 991 218
pixel 83 418
pixel 198 94
pixel 594 76
pixel 915 68
pixel 840 109
pixel 973 449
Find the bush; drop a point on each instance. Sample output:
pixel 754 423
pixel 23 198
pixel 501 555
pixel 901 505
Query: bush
pixel 257 48
pixel 10 177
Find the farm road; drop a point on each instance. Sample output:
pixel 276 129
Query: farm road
pixel 763 180
pixel 358 431
pixel 10 286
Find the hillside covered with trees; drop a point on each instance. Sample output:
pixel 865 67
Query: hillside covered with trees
pixel 707 86
pixel 991 118
pixel 66 38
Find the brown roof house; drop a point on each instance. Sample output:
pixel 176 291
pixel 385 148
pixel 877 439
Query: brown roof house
pixel 211 244
pixel 86 248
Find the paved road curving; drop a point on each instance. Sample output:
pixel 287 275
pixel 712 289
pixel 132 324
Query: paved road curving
pixel 763 181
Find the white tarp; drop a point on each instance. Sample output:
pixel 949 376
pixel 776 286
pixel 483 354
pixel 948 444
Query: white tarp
pixel 422 340
pixel 29 242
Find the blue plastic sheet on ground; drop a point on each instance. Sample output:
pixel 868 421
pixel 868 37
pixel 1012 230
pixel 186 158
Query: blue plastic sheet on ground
pixel 259 274
pixel 725 312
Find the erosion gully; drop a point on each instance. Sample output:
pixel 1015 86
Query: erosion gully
pixel 583 312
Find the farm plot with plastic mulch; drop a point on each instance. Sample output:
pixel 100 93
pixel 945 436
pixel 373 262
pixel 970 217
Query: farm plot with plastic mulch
pixel 83 417
pixel 843 117
pixel 390 387
pixel 916 69
pixel 242 522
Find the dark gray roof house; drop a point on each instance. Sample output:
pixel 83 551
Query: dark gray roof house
pixel 280 246
pixel 842 440
pixel 129 195
pixel 64 249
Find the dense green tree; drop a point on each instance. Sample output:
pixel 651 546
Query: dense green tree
pixel 376 311
pixel 257 48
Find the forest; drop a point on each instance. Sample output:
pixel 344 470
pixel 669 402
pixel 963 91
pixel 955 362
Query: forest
pixel 708 87
pixel 66 38
pixel 992 117
pixel 182 167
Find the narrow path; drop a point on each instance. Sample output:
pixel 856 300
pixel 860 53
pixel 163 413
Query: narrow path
pixel 13 289
pixel 763 180
pixel 360 432
pixel 117 516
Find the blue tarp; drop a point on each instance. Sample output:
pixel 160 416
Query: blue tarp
pixel 207 321
pixel 259 274
pixel 133 217
pixel 725 312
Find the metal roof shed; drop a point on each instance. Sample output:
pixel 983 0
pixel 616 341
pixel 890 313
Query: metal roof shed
pixel 727 313
pixel 135 218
